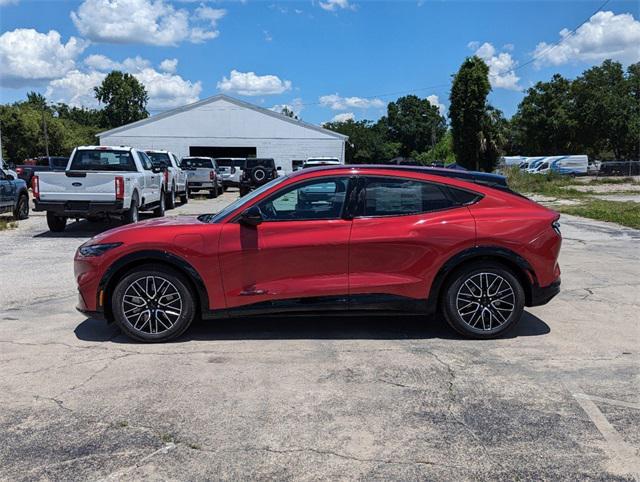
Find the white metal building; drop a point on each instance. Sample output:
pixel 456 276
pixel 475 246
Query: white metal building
pixel 221 126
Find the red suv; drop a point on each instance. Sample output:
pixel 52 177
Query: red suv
pixel 362 239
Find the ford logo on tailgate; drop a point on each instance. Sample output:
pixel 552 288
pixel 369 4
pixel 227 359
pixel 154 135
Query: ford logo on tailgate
pixel 76 184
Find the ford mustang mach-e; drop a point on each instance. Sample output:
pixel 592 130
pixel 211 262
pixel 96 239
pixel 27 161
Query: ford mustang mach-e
pixel 359 239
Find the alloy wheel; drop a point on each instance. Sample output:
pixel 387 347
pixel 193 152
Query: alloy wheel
pixel 485 301
pixel 152 305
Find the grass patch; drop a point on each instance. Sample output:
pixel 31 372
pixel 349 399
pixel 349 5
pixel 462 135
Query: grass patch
pixel 552 184
pixel 625 213
pixel 613 180
pixel 7 224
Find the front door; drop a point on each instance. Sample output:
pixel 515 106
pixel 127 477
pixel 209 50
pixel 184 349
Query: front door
pixel 299 253
pixel 7 188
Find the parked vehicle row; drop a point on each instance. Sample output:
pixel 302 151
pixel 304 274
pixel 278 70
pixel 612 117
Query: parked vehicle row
pixel 203 174
pixel 30 167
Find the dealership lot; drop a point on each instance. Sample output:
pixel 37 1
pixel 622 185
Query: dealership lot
pixel 323 397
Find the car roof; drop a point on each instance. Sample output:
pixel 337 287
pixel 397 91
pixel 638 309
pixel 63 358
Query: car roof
pixel 483 178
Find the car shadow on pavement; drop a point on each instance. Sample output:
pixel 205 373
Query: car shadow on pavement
pixel 327 327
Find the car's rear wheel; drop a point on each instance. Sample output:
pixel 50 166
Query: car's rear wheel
pixel 153 304
pixel 184 199
pixel 160 210
pixel 483 300
pixel 22 208
pixel 213 193
pixel 131 215
pixel 56 223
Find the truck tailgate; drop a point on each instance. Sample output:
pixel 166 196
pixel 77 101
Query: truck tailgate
pixel 79 186
pixel 199 175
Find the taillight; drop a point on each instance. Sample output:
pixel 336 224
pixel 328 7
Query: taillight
pixel 35 186
pixel 119 188
pixel 19 170
pixel 166 177
pixel 212 175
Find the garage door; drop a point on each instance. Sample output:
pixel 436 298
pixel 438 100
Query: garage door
pixel 213 151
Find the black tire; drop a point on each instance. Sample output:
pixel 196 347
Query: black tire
pixel 22 207
pixel 94 219
pixel 160 210
pixel 184 198
pixel 56 223
pixel 243 191
pixel 483 307
pixel 171 198
pixel 131 215
pixel 213 193
pixel 140 329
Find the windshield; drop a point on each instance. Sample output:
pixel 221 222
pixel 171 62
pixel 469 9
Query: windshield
pixel 196 162
pixel 260 162
pixel 102 160
pixel 216 218
pixel 159 159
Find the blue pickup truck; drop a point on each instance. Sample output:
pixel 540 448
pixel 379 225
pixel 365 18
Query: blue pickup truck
pixel 14 196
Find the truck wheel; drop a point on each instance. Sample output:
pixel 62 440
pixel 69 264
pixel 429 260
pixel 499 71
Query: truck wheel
pixel 131 215
pixel 243 191
pixel 56 223
pixel 159 211
pixel 184 199
pixel 213 193
pixel 22 207
pixel 171 198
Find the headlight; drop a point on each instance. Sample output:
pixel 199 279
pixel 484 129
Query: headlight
pixel 96 249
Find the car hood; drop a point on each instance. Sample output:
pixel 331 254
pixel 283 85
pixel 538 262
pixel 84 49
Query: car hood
pixel 159 223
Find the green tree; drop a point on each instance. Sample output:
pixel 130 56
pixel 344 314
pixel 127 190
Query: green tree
pixel 632 145
pixel 467 112
pixel 124 97
pixel 601 109
pixel 543 124
pixel 415 123
pixel 288 112
pixel 368 142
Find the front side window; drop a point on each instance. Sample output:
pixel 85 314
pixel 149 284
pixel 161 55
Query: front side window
pixel 317 199
pixel 397 197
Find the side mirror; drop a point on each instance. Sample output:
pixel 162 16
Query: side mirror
pixel 251 216
pixel 279 168
pixel 157 170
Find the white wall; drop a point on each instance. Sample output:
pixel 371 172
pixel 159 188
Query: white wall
pixel 221 123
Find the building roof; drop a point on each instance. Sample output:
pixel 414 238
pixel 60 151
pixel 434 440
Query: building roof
pixel 216 98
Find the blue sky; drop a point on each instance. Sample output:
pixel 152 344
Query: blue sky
pixel 324 58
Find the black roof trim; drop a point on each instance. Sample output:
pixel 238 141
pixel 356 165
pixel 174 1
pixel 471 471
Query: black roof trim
pixel 483 178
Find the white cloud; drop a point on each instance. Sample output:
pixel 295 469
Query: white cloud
pixel 343 117
pixel 604 36
pixel 435 100
pixel 501 74
pixel 336 102
pixel 169 65
pixel 166 90
pixel 295 106
pixel 248 83
pixel 28 57
pixel 152 22
pixel 333 5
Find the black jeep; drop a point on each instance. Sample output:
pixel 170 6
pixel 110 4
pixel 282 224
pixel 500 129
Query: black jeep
pixel 257 172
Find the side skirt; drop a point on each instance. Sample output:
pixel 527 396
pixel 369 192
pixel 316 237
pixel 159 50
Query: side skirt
pixel 356 305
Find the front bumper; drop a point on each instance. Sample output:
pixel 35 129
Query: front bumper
pixel 541 295
pixel 79 208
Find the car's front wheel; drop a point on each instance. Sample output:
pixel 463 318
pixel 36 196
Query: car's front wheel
pixel 22 208
pixel 153 304
pixel 483 300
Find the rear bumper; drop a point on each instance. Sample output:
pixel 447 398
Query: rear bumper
pixel 80 208
pixel 201 185
pixel 541 295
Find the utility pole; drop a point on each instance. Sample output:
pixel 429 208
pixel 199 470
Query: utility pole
pixel 46 136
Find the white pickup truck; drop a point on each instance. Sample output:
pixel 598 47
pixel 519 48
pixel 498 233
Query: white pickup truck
pixel 100 181
pixel 174 177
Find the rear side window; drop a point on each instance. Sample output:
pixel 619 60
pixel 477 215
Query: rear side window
pixel 195 162
pixel 102 160
pixel 59 162
pixel 159 159
pixel 397 197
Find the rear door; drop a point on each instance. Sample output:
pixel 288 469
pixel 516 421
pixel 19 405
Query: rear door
pixel 298 254
pixel 403 231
